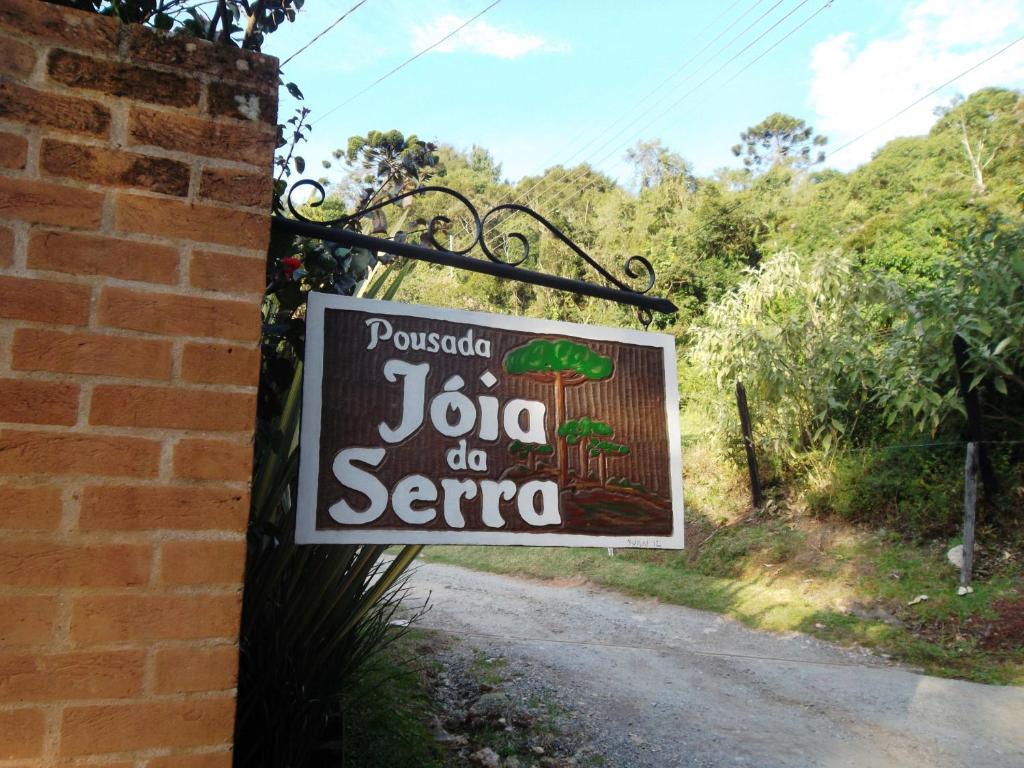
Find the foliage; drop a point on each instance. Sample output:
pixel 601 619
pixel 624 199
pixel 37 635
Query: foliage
pixel 804 340
pixel 577 430
pixel 302 649
pixel 234 22
pixel 780 138
pixel 543 357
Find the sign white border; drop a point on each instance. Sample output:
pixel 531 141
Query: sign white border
pixel 309 443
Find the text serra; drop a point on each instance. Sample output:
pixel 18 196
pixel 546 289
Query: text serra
pixel 453 414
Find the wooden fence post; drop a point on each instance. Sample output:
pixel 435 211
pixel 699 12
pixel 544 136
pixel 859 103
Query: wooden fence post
pixel 748 443
pixel 970 504
pixel 975 428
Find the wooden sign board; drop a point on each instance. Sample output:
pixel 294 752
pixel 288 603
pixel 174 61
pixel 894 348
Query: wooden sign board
pixel 436 426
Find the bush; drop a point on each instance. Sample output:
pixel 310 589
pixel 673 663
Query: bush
pixel 915 491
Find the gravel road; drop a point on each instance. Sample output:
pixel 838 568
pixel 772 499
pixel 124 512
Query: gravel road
pixel 661 685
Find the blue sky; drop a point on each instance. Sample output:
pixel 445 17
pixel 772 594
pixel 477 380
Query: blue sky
pixel 540 83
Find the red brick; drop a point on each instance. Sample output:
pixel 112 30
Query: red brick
pixel 171 408
pixel 28 678
pixel 204 760
pixel 119 618
pixel 42 563
pixel 80 254
pixel 114 167
pixel 51 24
pixel 188 54
pixel 220 364
pixel 21 733
pixel 6 247
pixel 18 60
pixel 202 562
pixel 44 301
pixel 13 151
pixel 229 185
pixel 165 217
pixel 38 402
pixel 178 315
pixel 142 508
pixel 21 104
pixel 146 725
pixel 194 670
pixel 241 103
pixel 69 453
pixel 41 349
pixel 40 202
pixel 27 620
pixel 119 79
pixel 228 273
pixel 30 508
pixel 201 136
pixel 196 459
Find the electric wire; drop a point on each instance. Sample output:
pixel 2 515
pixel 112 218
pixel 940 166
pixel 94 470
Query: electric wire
pixel 926 96
pixel 679 101
pixel 324 31
pixel 625 114
pixel 697 87
pixel 637 118
pixel 404 64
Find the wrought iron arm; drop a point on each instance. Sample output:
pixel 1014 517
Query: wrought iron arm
pixel 342 231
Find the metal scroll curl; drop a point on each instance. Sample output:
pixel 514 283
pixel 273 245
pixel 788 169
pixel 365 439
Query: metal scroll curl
pixel 318 195
pixel 638 271
pixel 635 267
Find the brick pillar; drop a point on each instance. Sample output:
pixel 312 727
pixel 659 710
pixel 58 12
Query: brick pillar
pixel 135 174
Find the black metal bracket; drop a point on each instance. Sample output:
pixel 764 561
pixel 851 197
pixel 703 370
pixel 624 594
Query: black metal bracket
pixel 340 231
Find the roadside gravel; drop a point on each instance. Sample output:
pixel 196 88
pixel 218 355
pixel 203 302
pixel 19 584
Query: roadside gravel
pixel 648 684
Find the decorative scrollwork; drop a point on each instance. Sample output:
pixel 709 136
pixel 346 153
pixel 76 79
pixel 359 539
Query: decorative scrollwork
pixel 636 268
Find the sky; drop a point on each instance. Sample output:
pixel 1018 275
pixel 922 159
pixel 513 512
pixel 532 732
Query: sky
pixel 540 83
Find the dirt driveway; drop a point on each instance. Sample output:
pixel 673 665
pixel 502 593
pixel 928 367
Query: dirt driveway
pixel 660 685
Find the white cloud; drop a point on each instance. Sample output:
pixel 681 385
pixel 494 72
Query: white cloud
pixel 857 87
pixel 479 37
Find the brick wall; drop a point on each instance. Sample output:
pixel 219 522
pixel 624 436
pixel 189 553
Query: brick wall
pixel 134 189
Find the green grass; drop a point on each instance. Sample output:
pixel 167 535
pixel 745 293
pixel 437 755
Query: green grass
pixel 386 718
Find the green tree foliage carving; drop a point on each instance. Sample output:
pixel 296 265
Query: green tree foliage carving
pixel 603 449
pixel 576 432
pixel 561 363
pixel 528 452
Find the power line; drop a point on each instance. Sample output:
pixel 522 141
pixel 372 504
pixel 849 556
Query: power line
pixel 647 111
pixel 404 64
pixel 654 90
pixel 686 95
pixel 926 96
pixel 323 32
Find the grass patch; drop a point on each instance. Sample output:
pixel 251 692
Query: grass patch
pixel 386 717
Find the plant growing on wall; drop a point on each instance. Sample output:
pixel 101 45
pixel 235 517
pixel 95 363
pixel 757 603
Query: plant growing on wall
pixel 235 22
pixel 311 615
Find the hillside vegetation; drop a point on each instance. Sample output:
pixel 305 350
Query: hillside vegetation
pixel 835 297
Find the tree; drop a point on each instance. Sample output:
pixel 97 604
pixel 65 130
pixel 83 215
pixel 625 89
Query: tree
pixel 528 452
pixel 576 431
pixel 604 449
pixel 393 163
pixel 562 363
pixel 653 164
pixel 780 139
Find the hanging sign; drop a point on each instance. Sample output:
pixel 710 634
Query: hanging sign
pixel 437 426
